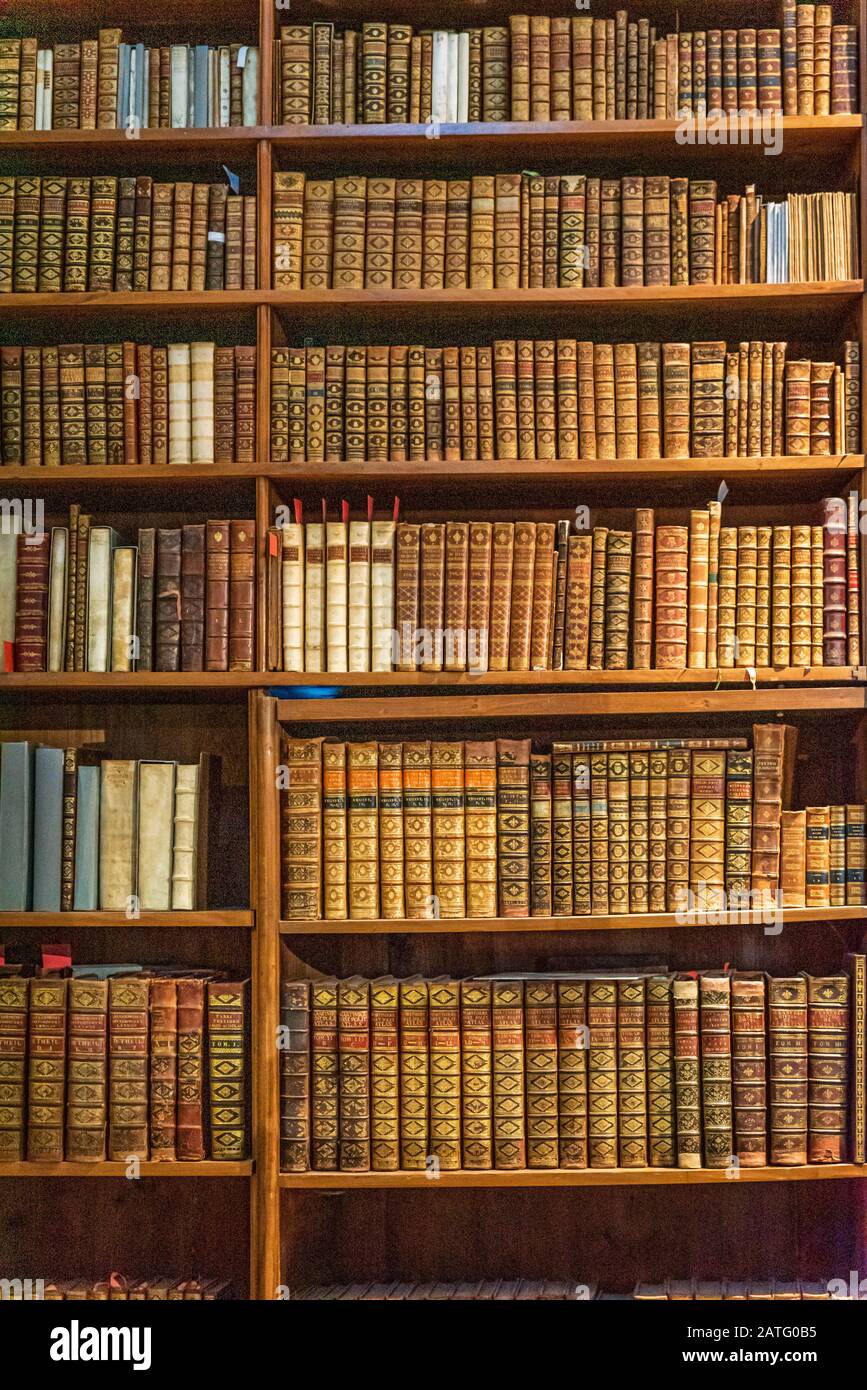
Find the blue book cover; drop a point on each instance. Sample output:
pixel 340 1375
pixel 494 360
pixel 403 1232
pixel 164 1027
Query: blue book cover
pixel 200 112
pixel 47 829
pixel 86 896
pixel 16 827
pixel 138 108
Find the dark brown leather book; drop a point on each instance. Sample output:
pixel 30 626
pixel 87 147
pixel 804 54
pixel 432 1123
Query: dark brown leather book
pixel 163 1080
pixel 31 602
pixel 167 643
pixel 217 597
pixel 295 1077
pixel 242 595
pixel 192 597
pixel 145 598
pixel 191 1070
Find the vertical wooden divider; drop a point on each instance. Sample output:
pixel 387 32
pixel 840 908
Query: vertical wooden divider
pixel 266 1227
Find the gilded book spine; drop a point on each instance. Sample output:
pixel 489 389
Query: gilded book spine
pixel 561 829
pixel 46 1068
pixel 418 855
pixel 227 1065
pixel 687 1071
pixel 507 1031
pixel 716 1069
pixel 572 1072
pixel 414 1079
pixel 788 1075
pixel 749 1069
pixel 362 821
pixel 631 1074
pixel 477 1147
pixel 828 1045
pixel 353 1038
pixel 513 826
pixel 602 1073
pixel 540 835
pixel 391 889
pixel 384 1076
pixel 480 779
pixel 540 1033
pixel 295 1076
pixel 301 829
pixel 448 821
pixel 334 859
pixel 324 1077
pixel 660 1079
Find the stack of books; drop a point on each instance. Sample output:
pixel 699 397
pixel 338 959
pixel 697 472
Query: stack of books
pixel 568 231
pixel 119 1062
pixel 633 1069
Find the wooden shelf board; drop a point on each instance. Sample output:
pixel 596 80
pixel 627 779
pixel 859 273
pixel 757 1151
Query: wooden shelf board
pixel 567 1177
pixel 179 474
pixel 217 918
pixel 813 295
pixel 209 1168
pixel 207 140
pixel 144 301
pixel 647 921
pixel 845 675
pixel 537 705
pixel 802 135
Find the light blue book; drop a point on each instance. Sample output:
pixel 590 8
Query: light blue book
pixel 16 827
pixel 200 112
pixel 86 895
pixel 47 829
pixel 138 107
pixel 123 64
pixel 191 86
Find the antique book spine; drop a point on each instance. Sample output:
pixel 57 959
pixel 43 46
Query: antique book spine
pixel 599 564
pixel 334 874
pixel 406 618
pixel 788 1070
pixel 301 829
pixel 390 809
pixel 680 232
pixel 602 772
pixel 676 399
pixel 657 829
pixel 296 73
pixel 432 600
pixel 793 858
pixel 660 1081
pixel 86 1073
pixel 31 603
pixel 800 594
pixel 521 603
pixel 445 1073
pixel 507 1037
pixel 618 585
pixel 480 781
pixel 379 234
pixel 324 1077
pixel 749 1069
pixel 384 1076
pixel 728 595
pixel 417 818
pixel 227 1069
pixel 671 637
pixel 828 1045
pixel 789 57
pixel 834 533
pixel 408 234
pixel 818 856
pixel 290 220
pixel 358 596
pixel 571 1058
pixel 580 862
pixel 618 833
pixel 502 563
pixel 543 598
pixel 540 1031
pixel 602 1073
pixel 852 392
pixel 806 56
pixel 649 437
pixel 561 829
pixel 857 966
pixel 448 825
pixel 853 586
pixel 838 856
pixel 513 827
pixel 353 1031
pixel 413 1070
pixel 482 256
pixel 687 1071
pixel 716 1069
pixel 639 830
pixel 46 1066
pixel 540 835
pixel 631 1075
pixel 295 1076
pixel 773 752
pixel 738 826
pixel 855 855
pixel 163 1070
pixel 190 1118
pixel 699 526
pixel 362 828
pixel 678 830
pixel 476 1075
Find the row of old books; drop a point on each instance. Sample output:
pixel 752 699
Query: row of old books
pixel 121 1062
pixel 560 398
pixel 181 598
pixel 558 1290
pixel 543 68
pixel 635 1069
pixel 104 84
pixel 115 1287
pixel 76 233
pixel 118 403
pixel 84 833
pixel 455 595
pixel 491 827
pixel 569 231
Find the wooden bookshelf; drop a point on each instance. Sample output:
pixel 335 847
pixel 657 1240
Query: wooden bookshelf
pixel 268 1228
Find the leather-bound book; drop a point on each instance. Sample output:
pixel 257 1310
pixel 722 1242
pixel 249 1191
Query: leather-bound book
pixel 513 826
pixel 358 596
pixel 390 787
pixel 714 510
pixel 789 58
pixel 324 1077
pixel 728 596
pixel 502 565
pixel 604 771
pixel 77 232
pixel 662 1143
pixel 818 857
pixel 448 828
pixel 716 1069
pixel 128 1002
pixel 566 378
pixel 144 599
pixel 334 859
pixel 445 1072
pixel 599 566
pixel 602 1073
pixel 793 858
pixel 671 638
pixel 522 596
pixel 192 604
pixel 834 535
pixel 639 795
pixel 855 855
pixel 578 601
pixel 51 234
pixel 379 239
pixel 774 753
pixel 806 58
pixel 625 400
pixel 657 829
pixel 433 233
pixel 738 822
pixel 227 1068
pixel 480 782
pixel 788 1070
pixel 506 399
pixel 828 1047
pixel 167 636
pixel 13 1067
pixel 290 222
pixel 561 829
pixel 31 603
pixel 46 1068
pixel 295 1076
pixel 680 237
pixel 853 585
pixel 799 594
pixel 708 400
pixel 617 590
pixel 81 592
pixel 242 581
pixel 406 617
pixel 476 1075
pixel 377 403
pixel 86 1076
pixel 852 395
pixel 305 255
pixel 301 829
pixel 69 828
pixel 409 234
pixel 822 61
pixel 581 857
pixel 382 579
pixel 857 966
pixel 678 816
pixel 749 1069
pixel 560 583
pixel 163 1069
pixel 507 1028
pixel 296 73
pixel 747 85
pixel 572 1100
pixel 159 405
pixel 687 1071
pixel 414 1082
pixel 189 1131
pixel 642 620
pixel 540 1031
pixel 631 1075
pixel 540 835
pixel 432 585
pixel 699 525
pixel 350 198
pixel 543 598
pixel 314 415
pixel 582 69
pixel 384 1076
pixel 676 399
pixel 618 834
pixel 457 233
pixel 456 595
pixel 353 1033
pixel 702 204
pixel 362 808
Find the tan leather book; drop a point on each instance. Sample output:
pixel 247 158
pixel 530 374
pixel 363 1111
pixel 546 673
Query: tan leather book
pixel 613 862
pixel 432 601
pixel 639 830
pixel 413 1070
pixel 46 1068
pixel 507 1029
pixel 482 233
pixel 87 1070
pixel 445 1073
pixel 828 1045
pixel 479 595
pixel 603 374
pixel 855 855
pixel 801 596
pixel 716 1049
pixel 362 803
pixel 602 1073
pixel 774 752
pixel 581 856
pixel 561 829
pixel 671 638
pixel 749 1069
pixel 657 830
pixel 676 396
pixel 480 779
pixel 788 1070
pixel 582 69
pixel 324 1076
pixel 649 436
pixel 572 1099
pixel 128 1005
pixel 781 596
pixel 391 874
pixel 476 1075
pixel 301 829
pixel 384 1075
pixel 578 602
pixel 457 547
pixel 738 825
pixel 543 598
pixel 727 595
pixel 408 234
pixel 505 399
pixel 296 73
pixel 502 560
pixel 632 1120
pixel 353 1040
pixel 687 1072
pixel 540 835
pixel 521 616
pixel 418 856
pixel 806 58
pixel 334 852
pixel 660 1081
pixel 618 586
pixel 407 594
pixel 513 826
pixel 707 829
pixel 596 646
pixel 793 858
pixel 451 403
pixel 290 217
pixel 678 806
pixel 540 1026
pixel 448 825
pixel 507 230
pixel 699 527
pixel 818 856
